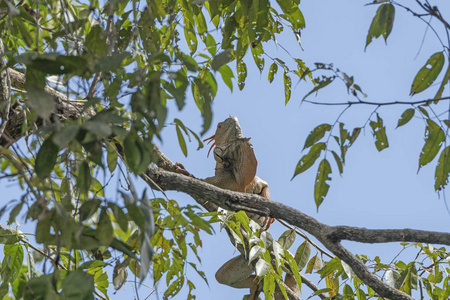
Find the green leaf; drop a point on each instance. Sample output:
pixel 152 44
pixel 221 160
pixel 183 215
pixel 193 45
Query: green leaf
pixel 309 159
pixel 111 157
pixel 320 83
pixel 315 135
pixel 10 235
pixel 84 177
pixel 41 288
pixel 46 158
pixel 434 138
pixel 63 136
pixel 242 74
pixel 428 73
pixel 292 13
pixel 287 88
pixel 379 132
pixel 287 238
pixel 227 74
pixel 382 23
pixel 221 59
pixel 96 41
pixel 181 141
pixel 406 117
pixel 77 285
pixel 105 229
pixel 38 99
pixel 338 162
pixel 272 71
pixel 444 82
pixel 321 187
pixel 442 170
pixel 133 154
pixel 302 254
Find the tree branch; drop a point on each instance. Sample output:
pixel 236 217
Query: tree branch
pixel 330 237
pixel 424 101
pixel 65 109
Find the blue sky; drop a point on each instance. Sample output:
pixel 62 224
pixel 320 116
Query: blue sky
pixel 377 190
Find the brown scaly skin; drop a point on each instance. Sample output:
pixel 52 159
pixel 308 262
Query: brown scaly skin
pixel 236 166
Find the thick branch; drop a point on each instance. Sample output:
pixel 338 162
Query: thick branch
pixel 65 109
pixel 330 237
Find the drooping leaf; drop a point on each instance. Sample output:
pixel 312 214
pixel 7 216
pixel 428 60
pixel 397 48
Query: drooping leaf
pixel 338 162
pixel 406 117
pixel 181 141
pixel 442 170
pixel 302 254
pixel 242 74
pixel 287 88
pixel 321 186
pixel 262 267
pixel 221 59
pixel 434 138
pixel 227 75
pixel 287 238
pixel 313 264
pixel 382 23
pixel 379 132
pixel 77 285
pixel 428 73
pixel 309 159
pixel 315 135
pixel 255 252
pixel 46 158
pixel 444 82
pixel 272 71
pixel 84 177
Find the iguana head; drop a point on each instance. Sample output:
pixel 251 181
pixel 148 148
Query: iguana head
pixel 226 132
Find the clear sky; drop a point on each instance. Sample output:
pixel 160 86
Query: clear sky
pixel 377 190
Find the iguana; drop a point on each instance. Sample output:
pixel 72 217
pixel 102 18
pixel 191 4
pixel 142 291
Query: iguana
pixel 236 166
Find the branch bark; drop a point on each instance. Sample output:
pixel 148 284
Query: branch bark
pixel 329 236
pixel 65 109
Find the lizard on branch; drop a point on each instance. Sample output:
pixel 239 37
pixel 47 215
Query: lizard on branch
pixel 235 170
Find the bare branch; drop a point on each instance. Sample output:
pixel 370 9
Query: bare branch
pixel 423 101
